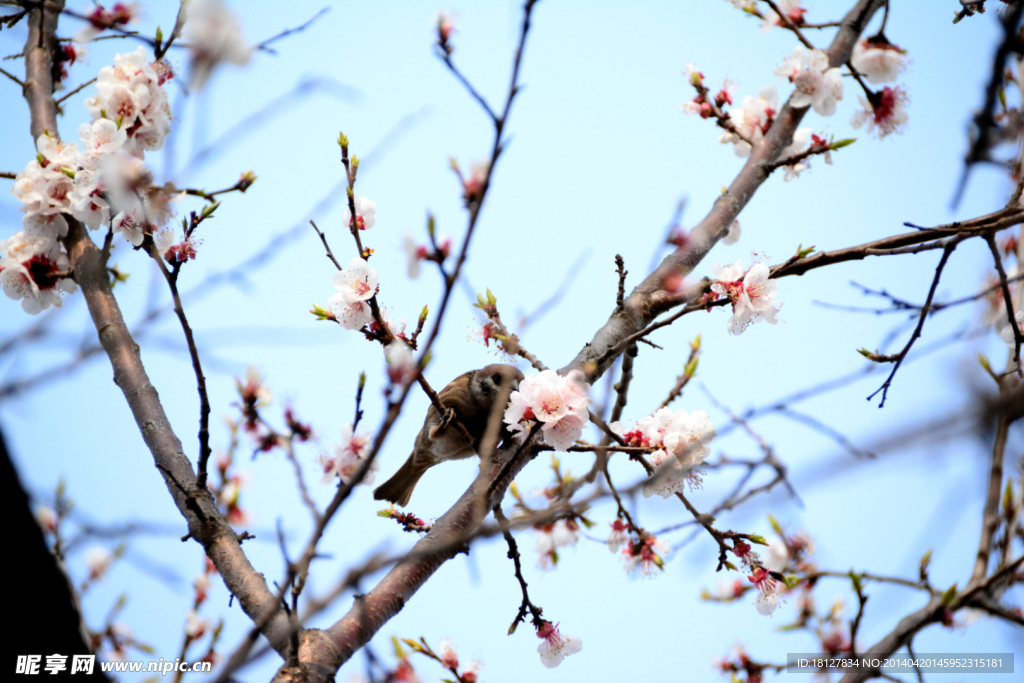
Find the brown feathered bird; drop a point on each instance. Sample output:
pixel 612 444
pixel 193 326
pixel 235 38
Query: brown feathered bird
pixel 471 396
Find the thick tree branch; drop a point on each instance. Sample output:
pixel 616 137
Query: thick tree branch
pixel 196 504
pixel 655 294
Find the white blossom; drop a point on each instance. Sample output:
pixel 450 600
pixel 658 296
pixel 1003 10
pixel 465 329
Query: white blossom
pixel 1007 332
pixel 98 560
pixel 33 269
pixel 752 297
pixel 131 95
pixel 349 456
pixel 214 36
pixel 752 119
pixel 355 286
pixel 815 83
pixel 733 235
pixel 366 213
pixel 879 61
pixel 556 646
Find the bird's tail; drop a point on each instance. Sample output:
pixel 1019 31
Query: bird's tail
pixel 398 489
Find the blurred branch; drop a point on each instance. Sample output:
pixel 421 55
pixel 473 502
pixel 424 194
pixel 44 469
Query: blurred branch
pixel 985 119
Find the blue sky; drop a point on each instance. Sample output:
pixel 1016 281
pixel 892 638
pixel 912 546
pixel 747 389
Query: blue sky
pixel 599 157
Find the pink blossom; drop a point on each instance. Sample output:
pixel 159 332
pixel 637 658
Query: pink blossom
pixel 767 589
pixel 752 297
pixel 888 113
pixel 558 402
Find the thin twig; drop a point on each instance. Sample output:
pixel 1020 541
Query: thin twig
pixel 265 45
pixel 13 78
pixel 925 311
pixel 76 90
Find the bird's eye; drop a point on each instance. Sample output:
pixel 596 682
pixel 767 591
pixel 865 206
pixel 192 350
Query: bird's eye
pixel 496 378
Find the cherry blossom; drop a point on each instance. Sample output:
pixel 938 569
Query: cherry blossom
pixel 401 364
pixel 348 457
pixel 34 270
pixel 1006 333
pixel 214 37
pixel 682 441
pixel 102 136
pixel 790 8
pixel 86 199
pixel 551 537
pixel 366 213
pixel 619 535
pixel 131 95
pixel 556 646
pixel 195 626
pixel 355 287
pixel 101 18
pixel 878 60
pixel 752 297
pixel 645 555
pixel 888 114
pixel 752 120
pixel 395 327
pixel 767 589
pixel 815 83
pixel 98 561
pixel 45 183
pixel 46 517
pixel 180 252
pixel 801 141
pixel 416 252
pixel 201 587
pixel 777 556
pixel 733 235
pixel 558 402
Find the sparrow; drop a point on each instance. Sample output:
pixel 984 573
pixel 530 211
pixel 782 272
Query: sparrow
pixel 470 399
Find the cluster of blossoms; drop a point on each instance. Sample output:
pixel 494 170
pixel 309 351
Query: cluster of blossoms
pixel 752 120
pixel 701 104
pixel 348 457
pixel 558 402
pixel 130 94
pixel 880 62
pixel 681 440
pixel 104 182
pixel 551 537
pixel 749 123
pixel 556 646
pixel 750 291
